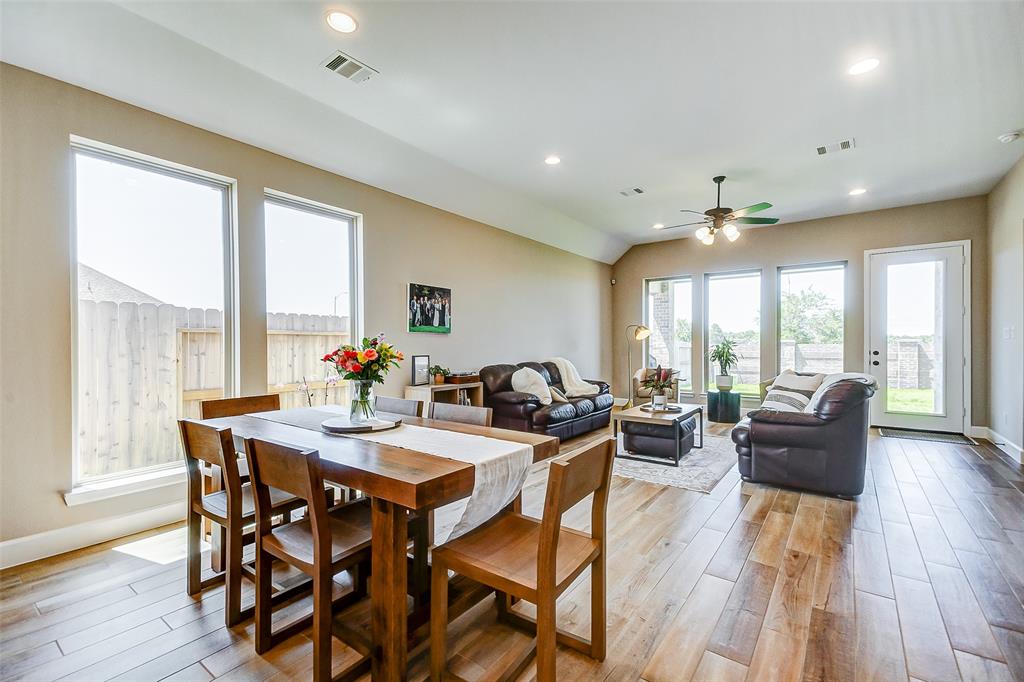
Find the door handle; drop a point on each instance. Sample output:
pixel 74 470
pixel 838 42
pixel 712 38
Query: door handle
pixel 874 362
pixel 874 352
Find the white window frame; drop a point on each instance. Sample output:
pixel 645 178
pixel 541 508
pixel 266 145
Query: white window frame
pixel 229 237
pixel 806 267
pixel 706 326
pixel 355 246
pixel 694 322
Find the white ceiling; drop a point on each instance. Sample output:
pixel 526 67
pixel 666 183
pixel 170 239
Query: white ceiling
pixel 473 96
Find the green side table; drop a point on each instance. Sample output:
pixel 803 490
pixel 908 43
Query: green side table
pixel 723 407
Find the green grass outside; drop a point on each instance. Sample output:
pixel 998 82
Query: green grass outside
pixel 920 400
pixel 745 389
pixel 430 328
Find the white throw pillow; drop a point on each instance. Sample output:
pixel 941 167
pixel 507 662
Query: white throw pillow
pixel 832 379
pixel 557 396
pixel 791 392
pixel 528 380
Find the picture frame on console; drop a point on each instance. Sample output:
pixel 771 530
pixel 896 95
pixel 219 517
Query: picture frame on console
pixel 420 370
pixel 429 308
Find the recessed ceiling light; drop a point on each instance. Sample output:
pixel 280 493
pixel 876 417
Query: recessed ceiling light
pixel 552 160
pixel 857 192
pixel 658 226
pixel 341 22
pixel 863 66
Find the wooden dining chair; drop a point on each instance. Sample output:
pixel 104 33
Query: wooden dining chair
pixel 464 414
pixel 213 478
pixel 321 545
pixel 409 408
pixel 535 560
pixel 231 509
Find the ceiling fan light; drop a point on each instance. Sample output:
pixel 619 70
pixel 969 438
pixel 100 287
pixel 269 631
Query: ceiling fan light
pixel 708 240
pixel 730 231
pixel 702 233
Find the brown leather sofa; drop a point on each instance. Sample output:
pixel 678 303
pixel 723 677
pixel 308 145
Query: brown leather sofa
pixel 824 451
pixel 523 411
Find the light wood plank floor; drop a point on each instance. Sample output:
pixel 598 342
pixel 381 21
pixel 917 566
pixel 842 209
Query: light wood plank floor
pixel 920 578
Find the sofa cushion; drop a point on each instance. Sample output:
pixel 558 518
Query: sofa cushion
pixel 584 406
pixel 830 380
pixel 791 392
pixel 529 380
pixel 497 378
pixel 553 414
pixel 603 401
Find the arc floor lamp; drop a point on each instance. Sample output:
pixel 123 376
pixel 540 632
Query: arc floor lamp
pixel 640 332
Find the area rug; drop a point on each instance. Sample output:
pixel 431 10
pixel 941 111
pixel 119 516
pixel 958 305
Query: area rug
pixel 934 436
pixel 699 470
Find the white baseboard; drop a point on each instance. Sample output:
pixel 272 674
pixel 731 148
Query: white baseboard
pixel 1005 444
pixel 52 542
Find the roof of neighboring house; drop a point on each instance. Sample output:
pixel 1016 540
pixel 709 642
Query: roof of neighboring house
pixel 93 285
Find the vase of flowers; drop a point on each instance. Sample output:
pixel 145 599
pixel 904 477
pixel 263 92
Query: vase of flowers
pixel 364 365
pixel 658 381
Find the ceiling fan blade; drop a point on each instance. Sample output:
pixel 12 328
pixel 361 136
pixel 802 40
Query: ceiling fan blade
pixel 699 222
pixel 739 213
pixel 687 210
pixel 756 221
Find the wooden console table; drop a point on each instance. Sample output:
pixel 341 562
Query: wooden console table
pixel 446 393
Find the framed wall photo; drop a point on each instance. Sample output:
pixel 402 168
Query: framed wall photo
pixel 430 309
pixel 420 370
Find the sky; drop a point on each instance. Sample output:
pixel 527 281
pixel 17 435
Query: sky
pixel 163 236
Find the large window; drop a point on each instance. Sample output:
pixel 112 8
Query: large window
pixel 733 312
pixel 311 297
pixel 669 315
pixel 811 318
pixel 151 284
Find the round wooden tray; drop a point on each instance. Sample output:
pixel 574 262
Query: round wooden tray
pixel 669 408
pixel 342 424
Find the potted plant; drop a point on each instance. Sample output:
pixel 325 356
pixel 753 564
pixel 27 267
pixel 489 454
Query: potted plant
pixel 365 366
pixel 439 373
pixel 724 355
pixel 658 380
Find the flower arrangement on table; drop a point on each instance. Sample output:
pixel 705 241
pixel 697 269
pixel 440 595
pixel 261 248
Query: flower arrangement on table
pixel 658 380
pixel 365 366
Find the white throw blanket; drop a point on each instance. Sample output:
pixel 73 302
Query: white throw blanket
pixel 575 386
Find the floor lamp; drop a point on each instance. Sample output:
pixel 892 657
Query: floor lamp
pixel 640 332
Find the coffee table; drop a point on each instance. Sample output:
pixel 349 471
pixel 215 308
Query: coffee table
pixel 670 419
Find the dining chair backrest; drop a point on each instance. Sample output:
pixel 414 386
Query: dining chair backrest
pixel 570 479
pixel 409 408
pixel 215 446
pixel 464 414
pixel 232 407
pixel 295 471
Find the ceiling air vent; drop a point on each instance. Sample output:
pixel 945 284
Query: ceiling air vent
pixel 840 146
pixel 631 191
pixel 352 69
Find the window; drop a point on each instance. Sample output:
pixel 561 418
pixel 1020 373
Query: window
pixel 733 312
pixel 811 318
pixel 668 314
pixel 311 297
pixel 150 319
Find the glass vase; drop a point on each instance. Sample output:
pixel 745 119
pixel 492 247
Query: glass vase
pixel 362 409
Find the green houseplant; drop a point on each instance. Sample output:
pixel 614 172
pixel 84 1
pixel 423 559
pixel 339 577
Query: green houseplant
pixel 439 373
pixel 724 355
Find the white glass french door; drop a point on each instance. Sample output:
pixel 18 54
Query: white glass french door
pixel 916 320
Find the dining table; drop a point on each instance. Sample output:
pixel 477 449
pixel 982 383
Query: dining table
pixel 399 480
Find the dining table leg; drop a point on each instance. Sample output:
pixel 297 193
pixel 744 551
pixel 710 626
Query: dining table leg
pixel 388 589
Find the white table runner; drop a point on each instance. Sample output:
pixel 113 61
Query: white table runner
pixel 501 465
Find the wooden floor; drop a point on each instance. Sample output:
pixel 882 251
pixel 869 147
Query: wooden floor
pixel 922 578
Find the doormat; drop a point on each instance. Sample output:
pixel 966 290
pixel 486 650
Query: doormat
pixel 934 436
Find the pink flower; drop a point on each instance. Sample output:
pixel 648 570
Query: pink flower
pixel 370 354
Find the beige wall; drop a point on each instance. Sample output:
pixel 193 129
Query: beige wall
pixel 1006 255
pixel 514 299
pixel 814 241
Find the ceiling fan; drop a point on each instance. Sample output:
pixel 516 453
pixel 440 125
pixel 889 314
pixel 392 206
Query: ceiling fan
pixel 724 219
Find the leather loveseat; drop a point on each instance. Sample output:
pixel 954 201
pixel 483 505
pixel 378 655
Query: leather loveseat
pixel 523 411
pixel 824 450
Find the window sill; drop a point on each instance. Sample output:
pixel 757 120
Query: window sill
pixel 125 485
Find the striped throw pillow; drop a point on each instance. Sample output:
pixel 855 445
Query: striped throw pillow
pixel 791 391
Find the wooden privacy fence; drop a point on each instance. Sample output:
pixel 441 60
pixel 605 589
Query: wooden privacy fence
pixel 141 367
